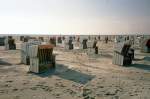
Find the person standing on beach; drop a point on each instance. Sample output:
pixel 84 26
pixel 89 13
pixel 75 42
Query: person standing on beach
pixel 84 43
pixel 95 46
pixel 106 39
pixel 99 38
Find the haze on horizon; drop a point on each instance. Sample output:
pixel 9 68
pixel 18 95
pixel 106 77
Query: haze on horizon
pixel 74 16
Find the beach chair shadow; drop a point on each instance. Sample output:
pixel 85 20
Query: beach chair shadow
pixel 147 59
pixel 141 66
pixel 142 59
pixel 4 63
pixel 137 59
pixel 108 56
pixel 68 74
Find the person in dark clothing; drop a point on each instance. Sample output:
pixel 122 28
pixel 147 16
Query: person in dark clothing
pixel 99 38
pixel 96 50
pixel 84 44
pixel 106 39
pixel 127 37
pixel 95 42
pixel 95 47
pixel 70 44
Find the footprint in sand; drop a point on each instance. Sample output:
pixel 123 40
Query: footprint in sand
pixel 3 91
pixel 9 81
pixel 15 89
pixel 40 86
pixel 71 92
pixel 57 95
pixel 59 84
pixel 7 85
pixel 33 88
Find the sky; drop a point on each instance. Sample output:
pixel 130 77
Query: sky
pixel 74 16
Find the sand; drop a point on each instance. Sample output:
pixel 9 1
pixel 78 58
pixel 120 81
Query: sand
pixel 76 76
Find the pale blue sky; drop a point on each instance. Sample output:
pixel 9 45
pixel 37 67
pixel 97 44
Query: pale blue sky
pixel 74 16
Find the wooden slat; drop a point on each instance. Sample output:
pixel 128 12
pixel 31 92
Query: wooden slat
pixel 46 46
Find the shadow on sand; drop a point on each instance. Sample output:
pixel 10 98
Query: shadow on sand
pixel 137 59
pixel 107 56
pixel 141 66
pixel 147 59
pixel 68 74
pixel 4 63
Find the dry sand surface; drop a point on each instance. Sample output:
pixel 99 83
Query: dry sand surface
pixel 77 76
